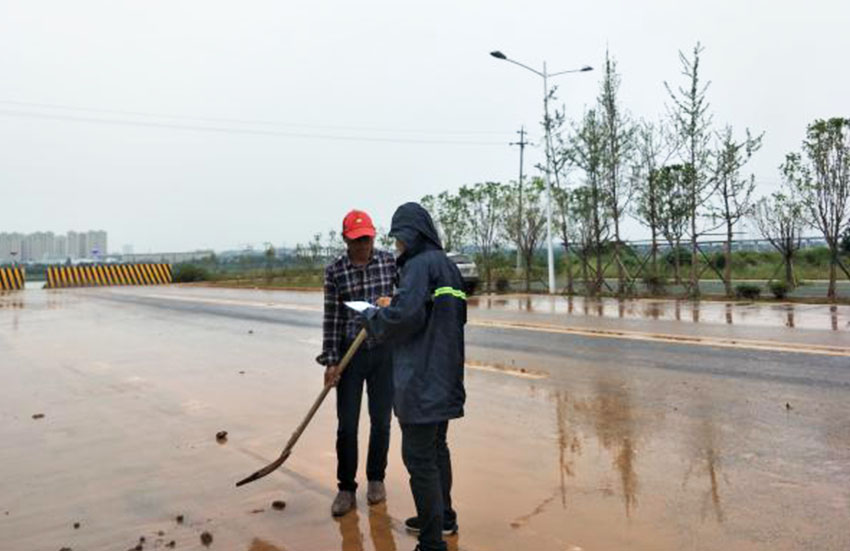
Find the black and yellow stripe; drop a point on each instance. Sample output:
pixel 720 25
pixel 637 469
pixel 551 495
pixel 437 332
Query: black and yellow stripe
pixel 12 278
pixel 107 275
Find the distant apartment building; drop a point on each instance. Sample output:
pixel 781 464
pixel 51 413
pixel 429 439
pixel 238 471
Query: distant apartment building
pixel 49 247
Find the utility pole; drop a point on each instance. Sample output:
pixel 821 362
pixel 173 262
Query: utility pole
pixel 521 143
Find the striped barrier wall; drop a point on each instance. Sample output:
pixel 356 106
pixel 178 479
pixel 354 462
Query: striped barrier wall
pixel 12 278
pixel 117 274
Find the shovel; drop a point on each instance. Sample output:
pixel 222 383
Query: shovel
pixel 271 467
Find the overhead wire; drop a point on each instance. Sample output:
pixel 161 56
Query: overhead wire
pixel 229 128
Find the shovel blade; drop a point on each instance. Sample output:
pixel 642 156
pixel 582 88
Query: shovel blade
pixel 268 469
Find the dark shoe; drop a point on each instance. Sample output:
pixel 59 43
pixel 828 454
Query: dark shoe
pixel 376 492
pixel 412 526
pixel 343 503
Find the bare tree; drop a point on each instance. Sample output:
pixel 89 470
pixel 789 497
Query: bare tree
pixel 527 227
pixel 734 192
pixel 824 183
pixel 691 119
pixel 617 151
pixel 780 219
pixel 483 204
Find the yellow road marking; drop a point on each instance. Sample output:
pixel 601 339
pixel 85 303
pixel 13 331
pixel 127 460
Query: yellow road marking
pixel 772 346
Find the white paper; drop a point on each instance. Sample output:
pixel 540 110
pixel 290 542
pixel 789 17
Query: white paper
pixel 359 305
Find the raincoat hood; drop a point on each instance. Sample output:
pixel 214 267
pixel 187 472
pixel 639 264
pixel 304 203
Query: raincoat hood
pixel 413 226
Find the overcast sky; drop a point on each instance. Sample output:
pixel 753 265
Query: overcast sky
pixel 201 124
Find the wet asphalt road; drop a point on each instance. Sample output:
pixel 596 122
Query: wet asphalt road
pixel 570 441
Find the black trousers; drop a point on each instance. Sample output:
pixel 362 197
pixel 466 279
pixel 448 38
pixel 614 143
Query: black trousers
pixel 374 368
pixel 426 456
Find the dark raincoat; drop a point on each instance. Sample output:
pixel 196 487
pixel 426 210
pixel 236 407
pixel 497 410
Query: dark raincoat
pixel 424 324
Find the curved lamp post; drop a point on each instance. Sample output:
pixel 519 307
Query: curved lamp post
pixel 546 75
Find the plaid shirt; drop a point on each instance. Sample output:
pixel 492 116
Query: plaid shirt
pixel 345 282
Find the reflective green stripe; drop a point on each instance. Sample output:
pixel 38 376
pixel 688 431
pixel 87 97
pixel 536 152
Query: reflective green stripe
pixel 450 291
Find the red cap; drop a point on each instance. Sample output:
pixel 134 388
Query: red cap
pixel 357 224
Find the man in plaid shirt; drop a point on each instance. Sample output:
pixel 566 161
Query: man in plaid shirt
pixel 362 273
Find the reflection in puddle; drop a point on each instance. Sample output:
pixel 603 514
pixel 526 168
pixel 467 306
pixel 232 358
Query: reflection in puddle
pixel 707 460
pixel 261 545
pixel 610 414
pixel 569 445
pixel 349 529
pixel 810 316
pixel 380 530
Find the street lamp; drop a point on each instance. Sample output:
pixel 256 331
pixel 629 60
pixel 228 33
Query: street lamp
pixel 545 75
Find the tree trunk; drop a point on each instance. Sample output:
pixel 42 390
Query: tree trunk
pixel 833 264
pixel 789 270
pixel 654 252
pixel 677 265
pixel 727 268
pixel 570 289
pixel 584 276
pixel 694 252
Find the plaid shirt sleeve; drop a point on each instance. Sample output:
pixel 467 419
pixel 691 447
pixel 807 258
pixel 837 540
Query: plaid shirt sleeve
pixel 332 325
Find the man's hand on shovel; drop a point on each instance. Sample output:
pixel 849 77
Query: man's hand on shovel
pixel 332 375
pixel 271 467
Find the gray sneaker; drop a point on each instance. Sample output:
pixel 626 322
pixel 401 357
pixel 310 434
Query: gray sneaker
pixel 343 503
pixel 376 493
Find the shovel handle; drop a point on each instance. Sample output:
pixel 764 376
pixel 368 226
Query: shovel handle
pixel 271 467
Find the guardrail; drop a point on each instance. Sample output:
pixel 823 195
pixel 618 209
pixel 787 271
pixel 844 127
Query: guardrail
pixel 59 277
pixel 12 278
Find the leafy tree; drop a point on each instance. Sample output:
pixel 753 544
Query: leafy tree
pixel 384 241
pixel 484 206
pixel 823 181
pixel 654 149
pixel 528 227
pixel 690 116
pixel 671 185
pixel 579 208
pixel 450 215
pixel 734 192
pixel 587 152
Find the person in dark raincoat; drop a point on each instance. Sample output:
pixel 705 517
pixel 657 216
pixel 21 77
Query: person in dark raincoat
pixel 424 325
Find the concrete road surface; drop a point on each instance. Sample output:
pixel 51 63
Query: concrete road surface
pixel 643 425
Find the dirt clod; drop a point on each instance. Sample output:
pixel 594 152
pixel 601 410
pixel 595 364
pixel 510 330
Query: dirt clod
pixel 160 533
pixel 171 544
pixel 279 505
pixel 257 511
pixel 221 435
pixel 206 539
pixel 38 416
pixel 65 549
pixel 250 331
pixel 241 372
pixel 141 539
pixel 179 519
